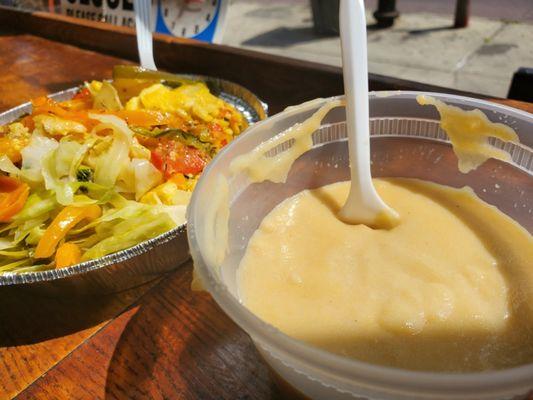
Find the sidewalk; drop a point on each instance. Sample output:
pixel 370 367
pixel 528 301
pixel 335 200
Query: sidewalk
pixel 481 58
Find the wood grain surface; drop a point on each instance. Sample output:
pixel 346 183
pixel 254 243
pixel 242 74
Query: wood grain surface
pixel 33 66
pixel 161 340
pixel 37 332
pixel 175 343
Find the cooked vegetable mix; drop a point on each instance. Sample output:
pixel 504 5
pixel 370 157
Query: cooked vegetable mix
pixel 111 167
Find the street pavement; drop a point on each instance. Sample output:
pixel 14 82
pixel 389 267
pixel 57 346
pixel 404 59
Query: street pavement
pixel 421 45
pixel 510 10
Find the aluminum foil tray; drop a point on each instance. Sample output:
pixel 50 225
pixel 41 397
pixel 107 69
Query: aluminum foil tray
pixel 145 261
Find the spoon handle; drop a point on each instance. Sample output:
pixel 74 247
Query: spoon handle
pixel 355 70
pixel 143 27
pixel 363 204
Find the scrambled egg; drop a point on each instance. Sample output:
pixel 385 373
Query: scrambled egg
pixel 56 126
pixel 191 100
pixel 13 138
pixel 167 193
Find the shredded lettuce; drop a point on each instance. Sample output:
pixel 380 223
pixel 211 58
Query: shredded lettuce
pixel 146 176
pixel 33 268
pixel 137 150
pixel 66 155
pixel 30 230
pixel 56 126
pixel 129 232
pixel 60 166
pixel 38 204
pixel 15 254
pixel 64 191
pixel 5 244
pixel 105 97
pixel 35 235
pixel 115 123
pixel 97 194
pixel 110 164
pixel 14 265
pixel 176 213
pixel 6 165
pixel 130 209
pixel 33 156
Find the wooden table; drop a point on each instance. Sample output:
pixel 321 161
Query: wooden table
pixel 161 340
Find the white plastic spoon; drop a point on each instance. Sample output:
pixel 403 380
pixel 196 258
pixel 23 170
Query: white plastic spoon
pixel 143 12
pixel 363 206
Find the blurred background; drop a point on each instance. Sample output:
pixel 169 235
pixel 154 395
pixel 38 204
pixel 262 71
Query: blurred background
pixel 422 44
pixel 419 40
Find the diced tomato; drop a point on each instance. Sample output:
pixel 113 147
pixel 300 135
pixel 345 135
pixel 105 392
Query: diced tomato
pixel 219 137
pixel 28 122
pixel 172 157
pixel 157 160
pixel 214 127
pixel 82 94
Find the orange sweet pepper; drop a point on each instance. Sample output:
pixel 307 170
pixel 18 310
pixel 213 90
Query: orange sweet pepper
pixel 69 111
pixel 67 219
pixel 13 195
pixel 67 254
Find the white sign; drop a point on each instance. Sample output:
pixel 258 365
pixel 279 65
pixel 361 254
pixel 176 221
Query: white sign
pixel 198 19
pixel 116 12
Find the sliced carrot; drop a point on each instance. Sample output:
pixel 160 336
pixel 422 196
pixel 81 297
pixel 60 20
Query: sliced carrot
pixel 13 195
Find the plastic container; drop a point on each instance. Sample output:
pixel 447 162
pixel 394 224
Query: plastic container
pixel 407 142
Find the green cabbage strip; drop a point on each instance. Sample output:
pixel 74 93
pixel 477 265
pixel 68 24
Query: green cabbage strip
pixel 30 231
pixel 33 156
pixel 130 232
pixel 64 191
pixel 33 268
pixel 5 244
pixel 6 165
pixel 111 162
pixel 38 204
pixel 131 209
pixel 15 254
pixel 106 98
pixel 14 265
pixel 60 166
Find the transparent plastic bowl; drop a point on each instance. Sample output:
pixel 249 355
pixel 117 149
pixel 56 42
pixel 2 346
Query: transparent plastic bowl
pixel 406 142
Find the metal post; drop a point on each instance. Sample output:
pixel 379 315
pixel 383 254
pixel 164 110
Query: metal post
pixel 326 16
pixel 386 13
pixel 462 10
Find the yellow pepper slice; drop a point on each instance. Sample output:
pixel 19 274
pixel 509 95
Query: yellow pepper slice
pixel 67 254
pixel 67 219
